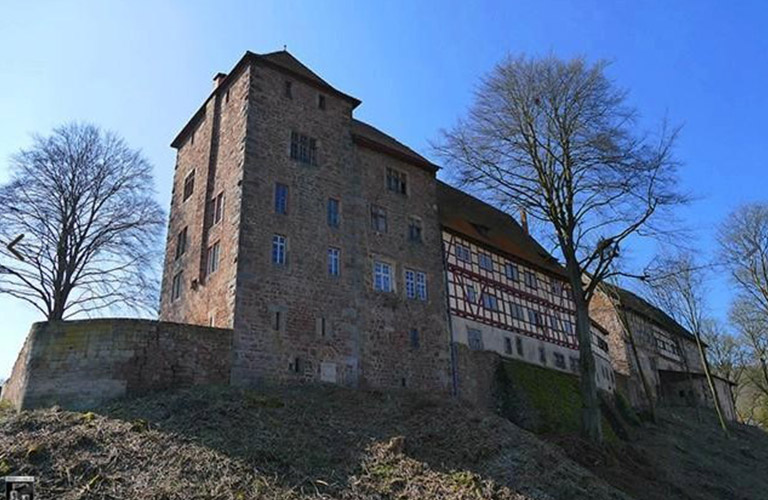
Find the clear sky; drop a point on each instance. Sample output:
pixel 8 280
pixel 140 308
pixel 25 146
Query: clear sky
pixel 142 68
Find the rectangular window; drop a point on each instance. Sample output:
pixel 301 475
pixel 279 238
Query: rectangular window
pixel 218 208
pixel 530 279
pixel 333 261
pixel 519 345
pixel 414 334
pixel 321 101
pixel 333 212
pixel 463 253
pixel 507 345
pixel 542 356
pixel 574 364
pixel 471 294
pixel 189 185
pixel 281 198
pixel 396 181
pixel 277 320
pixel 382 276
pixel 181 243
pixel 511 271
pixel 378 219
pixel 278 249
pixel 490 302
pixel 534 317
pixel 288 89
pixel 414 229
pixel 176 287
pixel 557 288
pixel 484 261
pixel 410 284
pixel 518 312
pixel 303 148
pixel 212 258
pixel 421 285
pixel 475 339
pixel 559 360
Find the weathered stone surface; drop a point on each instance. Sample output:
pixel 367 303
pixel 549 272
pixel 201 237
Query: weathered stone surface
pixel 80 364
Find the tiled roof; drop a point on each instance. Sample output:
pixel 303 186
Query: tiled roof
pixel 486 224
pixel 644 308
pixel 389 144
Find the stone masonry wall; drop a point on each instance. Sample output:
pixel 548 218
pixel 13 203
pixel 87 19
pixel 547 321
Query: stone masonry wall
pixel 81 364
pixel 280 309
pixel 215 152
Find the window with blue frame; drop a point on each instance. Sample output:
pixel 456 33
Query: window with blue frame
pixel 281 198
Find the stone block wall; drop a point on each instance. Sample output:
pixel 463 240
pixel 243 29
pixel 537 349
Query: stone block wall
pixel 81 364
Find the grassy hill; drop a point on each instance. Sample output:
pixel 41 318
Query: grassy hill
pixel 304 442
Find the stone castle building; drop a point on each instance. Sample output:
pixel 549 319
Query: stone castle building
pixel 334 253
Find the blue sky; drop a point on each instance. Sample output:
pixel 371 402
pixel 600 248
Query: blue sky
pixel 142 68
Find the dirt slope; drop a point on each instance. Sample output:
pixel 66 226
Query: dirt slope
pixel 684 456
pixel 292 443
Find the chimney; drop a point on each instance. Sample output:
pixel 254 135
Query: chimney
pixel 524 219
pixel 218 79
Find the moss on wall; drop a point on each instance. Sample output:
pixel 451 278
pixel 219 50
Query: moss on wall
pixel 542 400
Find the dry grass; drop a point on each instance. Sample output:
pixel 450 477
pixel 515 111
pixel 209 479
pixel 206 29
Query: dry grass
pixel 288 443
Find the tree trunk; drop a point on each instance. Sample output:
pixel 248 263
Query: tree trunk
pixel 590 406
pixel 711 384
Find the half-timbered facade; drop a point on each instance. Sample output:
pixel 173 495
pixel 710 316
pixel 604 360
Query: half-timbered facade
pixel 506 293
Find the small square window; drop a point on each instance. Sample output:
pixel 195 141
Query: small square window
pixel 559 360
pixel 303 148
pixel 414 229
pixel 475 339
pixel 490 302
pixel 321 101
pixel 189 185
pixel 396 181
pixel 378 219
pixel 463 253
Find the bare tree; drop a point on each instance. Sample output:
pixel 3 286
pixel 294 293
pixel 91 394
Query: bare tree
pixel 679 290
pixel 84 202
pixel 557 139
pixel 727 355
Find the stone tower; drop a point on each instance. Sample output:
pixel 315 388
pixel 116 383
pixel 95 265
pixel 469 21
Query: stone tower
pixel 311 234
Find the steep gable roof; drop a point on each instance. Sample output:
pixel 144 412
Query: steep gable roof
pixel 644 308
pixel 368 135
pixel 486 224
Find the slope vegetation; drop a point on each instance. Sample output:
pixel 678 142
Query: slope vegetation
pixel 291 442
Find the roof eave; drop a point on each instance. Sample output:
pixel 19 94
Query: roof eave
pixel 383 148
